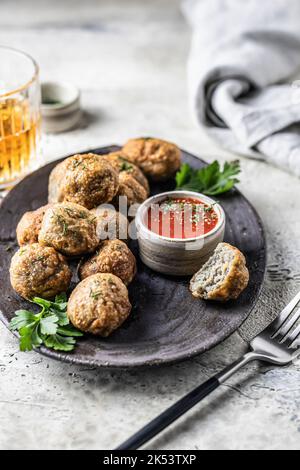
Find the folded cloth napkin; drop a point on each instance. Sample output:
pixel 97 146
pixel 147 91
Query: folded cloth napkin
pixel 242 52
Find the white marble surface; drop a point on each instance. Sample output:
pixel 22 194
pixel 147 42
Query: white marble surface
pixel 128 57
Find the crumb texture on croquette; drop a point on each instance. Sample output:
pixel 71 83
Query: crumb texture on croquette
pixel 70 229
pixel 99 304
pixel 131 189
pixel 122 165
pixel 29 226
pixel 114 257
pixel 55 183
pixel 223 277
pixel 111 224
pixel 41 271
pixel 85 179
pixel 157 158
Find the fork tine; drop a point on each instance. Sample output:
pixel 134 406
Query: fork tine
pixel 287 326
pixel 279 321
pixel 293 337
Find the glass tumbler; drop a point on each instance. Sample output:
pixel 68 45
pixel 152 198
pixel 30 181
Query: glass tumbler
pixel 19 115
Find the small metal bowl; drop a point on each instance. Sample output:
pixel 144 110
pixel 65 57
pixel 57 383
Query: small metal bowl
pixel 60 106
pixel 176 256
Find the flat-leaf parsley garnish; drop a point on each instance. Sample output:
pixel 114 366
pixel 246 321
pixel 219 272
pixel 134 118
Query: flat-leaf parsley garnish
pixel 50 326
pixel 210 180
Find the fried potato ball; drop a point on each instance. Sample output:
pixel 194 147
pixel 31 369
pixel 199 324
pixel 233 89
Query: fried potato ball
pixel 113 257
pixel 70 229
pixel 41 271
pixel 29 226
pixel 99 304
pixel 122 165
pixel 55 192
pixel 157 158
pixel 223 277
pixel 86 179
pixel 131 189
pixel 111 224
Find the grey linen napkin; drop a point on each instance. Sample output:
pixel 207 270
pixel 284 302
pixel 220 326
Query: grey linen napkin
pixel 242 52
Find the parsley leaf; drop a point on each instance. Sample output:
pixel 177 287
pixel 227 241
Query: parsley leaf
pixel 210 180
pixel 29 337
pixel 183 175
pixel 61 301
pixel 69 330
pixel 50 326
pixel 22 318
pixel 60 343
pixel 61 316
pixel 26 342
pixel 42 302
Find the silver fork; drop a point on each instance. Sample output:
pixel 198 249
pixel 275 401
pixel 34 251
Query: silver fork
pixel 277 344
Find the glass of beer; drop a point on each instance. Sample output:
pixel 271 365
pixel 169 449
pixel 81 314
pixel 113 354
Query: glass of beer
pixel 19 115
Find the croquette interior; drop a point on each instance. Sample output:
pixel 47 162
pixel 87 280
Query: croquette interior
pixel 214 271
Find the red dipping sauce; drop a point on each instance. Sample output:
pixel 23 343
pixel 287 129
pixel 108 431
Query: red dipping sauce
pixel 181 218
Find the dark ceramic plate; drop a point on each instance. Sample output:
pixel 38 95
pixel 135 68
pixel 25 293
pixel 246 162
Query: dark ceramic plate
pixel 166 324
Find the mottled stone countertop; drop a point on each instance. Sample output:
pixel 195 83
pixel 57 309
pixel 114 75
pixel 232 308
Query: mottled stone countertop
pixel 129 59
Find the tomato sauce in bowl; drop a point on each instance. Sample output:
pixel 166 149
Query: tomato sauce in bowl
pixel 178 231
pixel 181 218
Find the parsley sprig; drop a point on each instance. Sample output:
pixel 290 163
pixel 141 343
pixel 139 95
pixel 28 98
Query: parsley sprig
pixel 50 326
pixel 210 180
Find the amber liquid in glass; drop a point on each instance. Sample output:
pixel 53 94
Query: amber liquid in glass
pixel 18 132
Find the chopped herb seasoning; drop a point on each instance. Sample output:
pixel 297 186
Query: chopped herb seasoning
pixel 95 294
pixel 39 258
pixel 76 163
pixel 61 222
pixel 125 166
